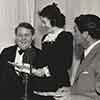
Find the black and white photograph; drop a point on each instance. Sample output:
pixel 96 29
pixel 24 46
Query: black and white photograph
pixel 49 49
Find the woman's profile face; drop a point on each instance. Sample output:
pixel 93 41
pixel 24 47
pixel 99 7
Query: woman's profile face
pixel 46 23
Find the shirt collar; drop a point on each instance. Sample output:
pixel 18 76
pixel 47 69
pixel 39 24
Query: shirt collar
pixel 87 51
pixel 19 48
pixel 53 36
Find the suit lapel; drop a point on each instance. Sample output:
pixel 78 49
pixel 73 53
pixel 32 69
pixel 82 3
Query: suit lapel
pixel 12 54
pixel 87 60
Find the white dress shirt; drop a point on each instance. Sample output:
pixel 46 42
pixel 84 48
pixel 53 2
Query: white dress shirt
pixel 18 59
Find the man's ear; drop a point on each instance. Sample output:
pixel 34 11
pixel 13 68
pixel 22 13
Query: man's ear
pixel 86 34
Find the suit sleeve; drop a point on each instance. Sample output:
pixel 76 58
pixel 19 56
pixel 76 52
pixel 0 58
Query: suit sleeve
pixel 4 54
pixel 65 50
pixel 97 74
pixel 3 64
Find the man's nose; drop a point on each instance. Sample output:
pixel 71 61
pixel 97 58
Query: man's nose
pixel 23 37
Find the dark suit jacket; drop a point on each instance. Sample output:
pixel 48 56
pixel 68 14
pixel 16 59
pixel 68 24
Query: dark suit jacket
pixel 87 80
pixel 11 86
pixel 57 55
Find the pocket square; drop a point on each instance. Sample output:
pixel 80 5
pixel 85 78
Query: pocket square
pixel 85 72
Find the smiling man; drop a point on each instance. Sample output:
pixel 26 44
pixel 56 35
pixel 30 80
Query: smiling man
pixel 22 52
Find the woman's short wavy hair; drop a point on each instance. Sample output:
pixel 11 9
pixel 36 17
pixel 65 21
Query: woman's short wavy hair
pixel 90 23
pixel 53 13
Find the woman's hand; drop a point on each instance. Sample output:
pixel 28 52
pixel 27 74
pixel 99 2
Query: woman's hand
pixel 38 72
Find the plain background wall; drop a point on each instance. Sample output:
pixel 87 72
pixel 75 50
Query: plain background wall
pixel 8 19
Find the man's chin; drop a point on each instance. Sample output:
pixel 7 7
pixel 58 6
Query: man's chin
pixel 23 47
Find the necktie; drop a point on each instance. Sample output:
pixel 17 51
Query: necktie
pixel 21 51
pixel 82 57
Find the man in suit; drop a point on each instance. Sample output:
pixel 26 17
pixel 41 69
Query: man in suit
pixel 86 84
pixel 11 80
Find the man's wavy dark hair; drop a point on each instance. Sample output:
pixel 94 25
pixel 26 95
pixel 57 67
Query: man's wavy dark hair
pixel 25 25
pixel 90 23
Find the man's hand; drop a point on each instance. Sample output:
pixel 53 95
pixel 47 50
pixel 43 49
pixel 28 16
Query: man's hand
pixel 40 72
pixel 26 68
pixel 63 90
pixel 65 97
pixel 23 68
pixel 63 94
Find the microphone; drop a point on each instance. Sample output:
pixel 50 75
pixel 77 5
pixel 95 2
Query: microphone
pixel 29 57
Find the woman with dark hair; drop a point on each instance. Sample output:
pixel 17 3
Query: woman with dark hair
pixel 57 53
pixel 53 14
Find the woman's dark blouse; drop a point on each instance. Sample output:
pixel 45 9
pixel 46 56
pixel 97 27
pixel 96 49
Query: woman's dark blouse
pixel 58 56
